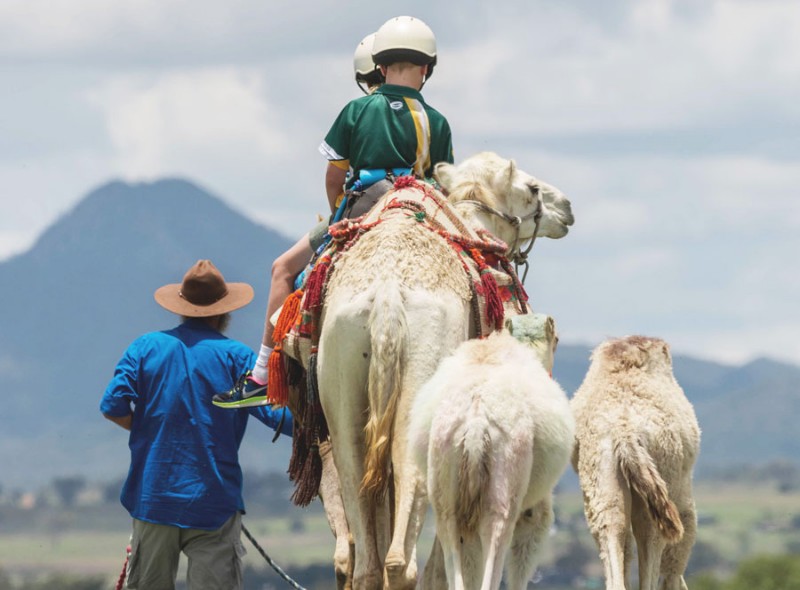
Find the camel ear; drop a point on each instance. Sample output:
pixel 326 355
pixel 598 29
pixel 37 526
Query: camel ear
pixel 550 331
pixel 505 177
pixel 445 175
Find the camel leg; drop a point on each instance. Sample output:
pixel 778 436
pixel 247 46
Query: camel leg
pixel 608 511
pixel 360 511
pixel 650 545
pixel 505 491
pixel 384 521
pixel 343 397
pixel 630 548
pixel 446 318
pixel 530 531
pixel 451 556
pixel 401 567
pixel 434 576
pixel 330 494
pixel 497 539
pixel 676 556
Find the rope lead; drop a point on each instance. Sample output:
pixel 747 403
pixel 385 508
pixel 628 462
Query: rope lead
pixel 274 565
pixel 121 581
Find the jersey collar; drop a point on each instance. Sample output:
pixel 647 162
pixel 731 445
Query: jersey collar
pixel 397 90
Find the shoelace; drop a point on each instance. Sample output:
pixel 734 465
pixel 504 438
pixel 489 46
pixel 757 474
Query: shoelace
pixel 238 388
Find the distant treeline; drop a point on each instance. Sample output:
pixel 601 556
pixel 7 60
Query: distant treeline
pixel 785 474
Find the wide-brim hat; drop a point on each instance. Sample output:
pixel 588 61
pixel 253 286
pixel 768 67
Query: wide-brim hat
pixel 203 293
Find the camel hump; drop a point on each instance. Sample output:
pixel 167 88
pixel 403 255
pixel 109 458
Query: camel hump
pixel 643 477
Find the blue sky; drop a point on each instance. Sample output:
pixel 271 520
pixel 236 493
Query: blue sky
pixel 673 126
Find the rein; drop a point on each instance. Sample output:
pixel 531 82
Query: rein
pixel 515 253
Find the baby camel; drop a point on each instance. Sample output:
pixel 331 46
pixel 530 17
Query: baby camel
pixel 493 432
pixel 637 439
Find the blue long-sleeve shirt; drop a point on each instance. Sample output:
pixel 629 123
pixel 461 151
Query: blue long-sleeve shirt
pixel 184 467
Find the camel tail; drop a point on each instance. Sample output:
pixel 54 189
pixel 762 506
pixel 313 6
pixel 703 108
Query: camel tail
pixel 473 474
pixel 644 479
pixel 388 334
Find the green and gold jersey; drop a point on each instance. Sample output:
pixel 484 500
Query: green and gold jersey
pixel 391 128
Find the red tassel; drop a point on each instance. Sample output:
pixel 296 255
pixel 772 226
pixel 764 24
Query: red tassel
pixel 494 305
pixel 316 284
pixel 404 182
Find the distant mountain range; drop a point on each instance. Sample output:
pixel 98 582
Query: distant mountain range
pixel 84 291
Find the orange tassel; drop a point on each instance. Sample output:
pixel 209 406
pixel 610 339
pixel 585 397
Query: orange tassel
pixel 277 377
pixel 288 317
pixel 277 386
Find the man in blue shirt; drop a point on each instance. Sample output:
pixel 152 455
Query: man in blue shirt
pixel 184 486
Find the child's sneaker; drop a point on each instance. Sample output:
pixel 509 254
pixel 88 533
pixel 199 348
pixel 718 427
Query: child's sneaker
pixel 245 394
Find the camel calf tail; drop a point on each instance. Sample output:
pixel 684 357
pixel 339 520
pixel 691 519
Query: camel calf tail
pixel 473 477
pixel 388 335
pixel 643 477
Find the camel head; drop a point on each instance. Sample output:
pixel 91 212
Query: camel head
pixel 643 353
pixel 537 331
pixel 500 184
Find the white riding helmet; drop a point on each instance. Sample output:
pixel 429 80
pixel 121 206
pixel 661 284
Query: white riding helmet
pixel 365 69
pixel 405 38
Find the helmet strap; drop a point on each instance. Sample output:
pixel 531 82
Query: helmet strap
pixel 360 85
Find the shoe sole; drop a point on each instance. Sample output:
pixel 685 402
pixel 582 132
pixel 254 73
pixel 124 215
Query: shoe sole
pixel 249 402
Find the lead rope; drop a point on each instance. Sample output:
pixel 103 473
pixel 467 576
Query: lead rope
pixel 121 582
pixel 517 256
pixel 274 565
pixel 520 258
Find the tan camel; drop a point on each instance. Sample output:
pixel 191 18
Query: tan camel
pixel 637 439
pixel 493 432
pixel 397 302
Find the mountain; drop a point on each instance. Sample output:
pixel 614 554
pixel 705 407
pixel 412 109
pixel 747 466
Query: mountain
pixel 84 291
pixel 71 305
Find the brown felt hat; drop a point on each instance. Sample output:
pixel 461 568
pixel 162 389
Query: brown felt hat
pixel 203 293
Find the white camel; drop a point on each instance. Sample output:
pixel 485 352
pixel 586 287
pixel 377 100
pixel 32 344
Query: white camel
pixel 330 494
pixel 637 439
pixel 493 432
pixel 397 302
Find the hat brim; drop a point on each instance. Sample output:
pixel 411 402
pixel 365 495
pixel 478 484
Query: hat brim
pixel 169 297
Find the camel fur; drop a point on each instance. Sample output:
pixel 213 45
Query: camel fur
pixel 493 432
pixel 637 440
pixel 396 303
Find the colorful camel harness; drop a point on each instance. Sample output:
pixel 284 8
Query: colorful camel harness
pixel 496 293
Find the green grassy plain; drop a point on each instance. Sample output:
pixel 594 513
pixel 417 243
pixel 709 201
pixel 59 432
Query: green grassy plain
pixel 736 521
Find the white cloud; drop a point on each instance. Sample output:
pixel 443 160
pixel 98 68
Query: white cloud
pixel 160 124
pixel 658 71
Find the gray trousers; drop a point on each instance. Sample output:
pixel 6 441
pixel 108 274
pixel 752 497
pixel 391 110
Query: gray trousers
pixel 215 557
